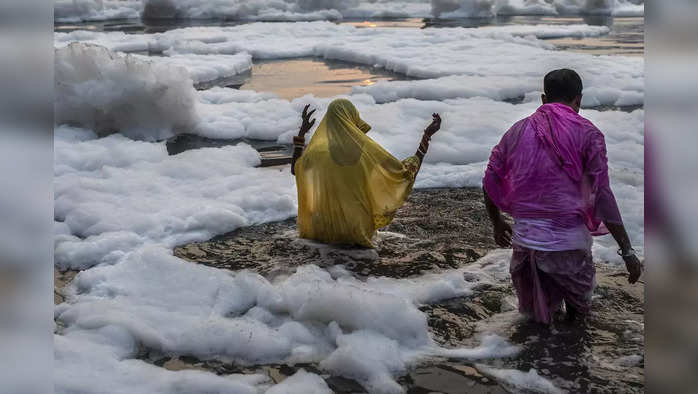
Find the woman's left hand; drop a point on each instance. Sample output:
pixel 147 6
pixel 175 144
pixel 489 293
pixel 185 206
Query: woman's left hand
pixel 434 126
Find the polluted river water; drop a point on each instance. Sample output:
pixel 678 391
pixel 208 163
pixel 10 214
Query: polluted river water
pixel 604 355
pixel 294 78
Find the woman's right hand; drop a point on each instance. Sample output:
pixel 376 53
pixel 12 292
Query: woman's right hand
pixel 434 126
pixel 307 121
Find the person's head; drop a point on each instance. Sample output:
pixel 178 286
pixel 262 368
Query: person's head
pixel 563 86
pixel 345 132
pixel 343 108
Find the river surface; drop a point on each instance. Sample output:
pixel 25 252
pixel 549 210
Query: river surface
pixel 293 78
pixel 606 354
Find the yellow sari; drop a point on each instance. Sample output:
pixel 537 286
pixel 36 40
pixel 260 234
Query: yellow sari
pixel 348 185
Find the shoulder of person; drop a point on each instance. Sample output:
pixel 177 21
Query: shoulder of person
pixel 593 135
pixel 518 126
pixel 589 127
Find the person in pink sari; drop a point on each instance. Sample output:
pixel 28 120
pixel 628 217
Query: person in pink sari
pixel 550 173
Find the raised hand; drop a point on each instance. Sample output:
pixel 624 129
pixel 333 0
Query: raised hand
pixel 307 121
pixel 434 126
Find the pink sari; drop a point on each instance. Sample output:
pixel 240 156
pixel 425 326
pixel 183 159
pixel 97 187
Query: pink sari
pixel 552 166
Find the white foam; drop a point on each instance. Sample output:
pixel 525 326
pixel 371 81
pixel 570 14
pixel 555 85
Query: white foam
pixel 121 204
pixel 95 10
pixel 128 195
pixel 605 88
pixel 207 68
pixel 457 155
pixel 354 329
pixel 518 380
pixel 108 92
pixel 125 193
pixel 231 113
pixel 453 9
pixel 91 360
pixel 267 10
pixel 308 10
pixel 459 62
pixel 301 382
pixel 293 10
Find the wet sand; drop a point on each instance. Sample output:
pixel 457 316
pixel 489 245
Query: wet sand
pixel 438 230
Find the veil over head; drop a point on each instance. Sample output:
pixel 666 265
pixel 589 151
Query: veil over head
pixel 348 185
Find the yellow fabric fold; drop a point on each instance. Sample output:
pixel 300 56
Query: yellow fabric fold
pixel 348 185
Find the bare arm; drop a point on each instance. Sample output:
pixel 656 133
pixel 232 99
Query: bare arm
pixel 299 140
pixel 596 168
pixel 632 263
pixel 620 235
pixel 502 229
pixel 297 152
pixel 426 137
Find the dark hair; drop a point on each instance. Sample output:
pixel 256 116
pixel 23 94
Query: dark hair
pixel 562 85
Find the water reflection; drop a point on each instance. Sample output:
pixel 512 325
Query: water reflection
pixel 414 23
pixel 322 78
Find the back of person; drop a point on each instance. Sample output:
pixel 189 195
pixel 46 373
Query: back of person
pixel 550 173
pixel 545 162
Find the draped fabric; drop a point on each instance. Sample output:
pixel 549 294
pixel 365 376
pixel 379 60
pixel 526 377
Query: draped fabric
pixel 544 279
pixel 348 185
pixel 553 165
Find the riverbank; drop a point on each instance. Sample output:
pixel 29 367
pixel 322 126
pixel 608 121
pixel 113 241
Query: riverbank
pixel 435 231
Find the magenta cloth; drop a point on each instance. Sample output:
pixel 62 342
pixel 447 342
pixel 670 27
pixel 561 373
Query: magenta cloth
pixel 544 279
pixel 553 165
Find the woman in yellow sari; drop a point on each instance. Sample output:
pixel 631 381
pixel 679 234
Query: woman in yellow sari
pixel 348 185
